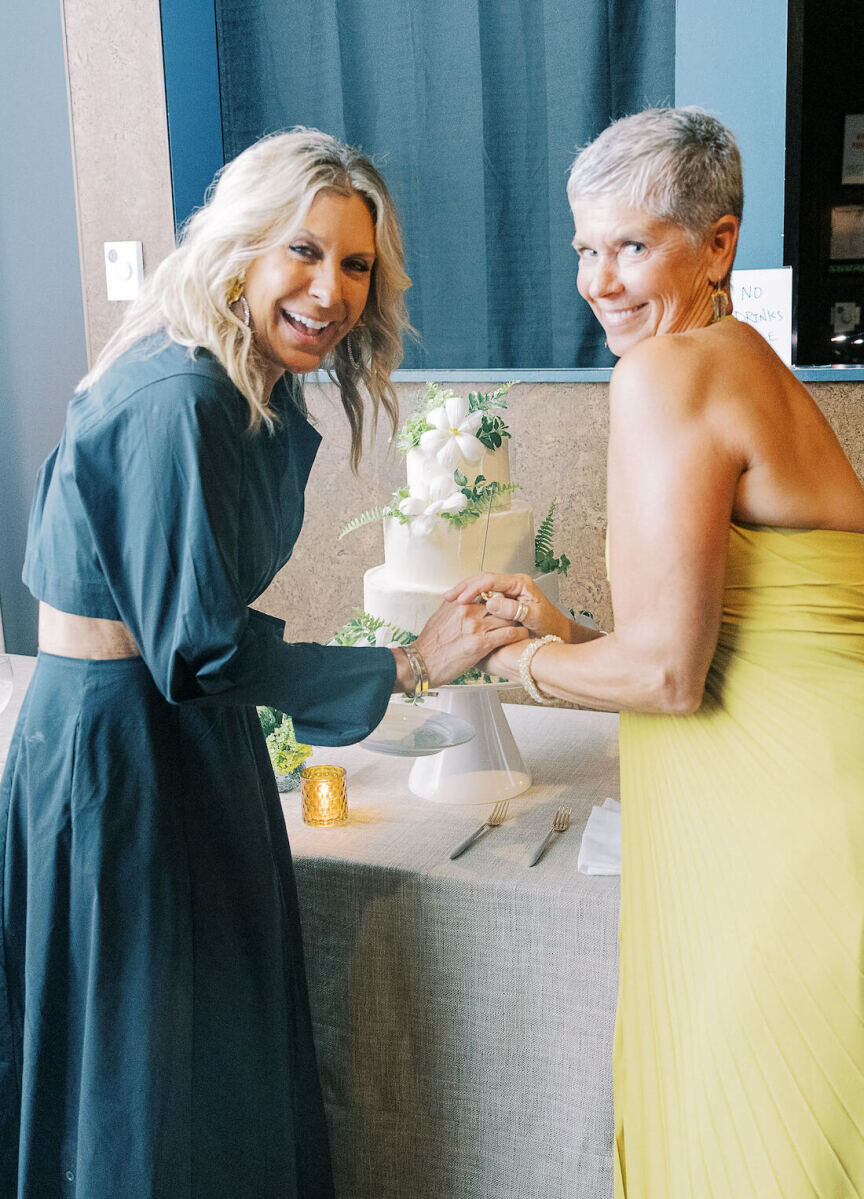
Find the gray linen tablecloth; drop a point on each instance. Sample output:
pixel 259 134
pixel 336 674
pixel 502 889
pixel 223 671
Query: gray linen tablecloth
pixel 22 670
pixel 464 1010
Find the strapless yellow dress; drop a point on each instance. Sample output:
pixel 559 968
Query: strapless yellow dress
pixel 739 1041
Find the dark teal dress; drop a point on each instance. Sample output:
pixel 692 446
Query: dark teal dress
pixel 155 1037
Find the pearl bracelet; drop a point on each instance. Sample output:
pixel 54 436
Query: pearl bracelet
pixel 525 669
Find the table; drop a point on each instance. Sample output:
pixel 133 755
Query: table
pixel 22 669
pixel 464 1010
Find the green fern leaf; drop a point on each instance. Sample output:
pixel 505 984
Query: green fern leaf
pixel 545 538
pixel 366 518
pixel 364 624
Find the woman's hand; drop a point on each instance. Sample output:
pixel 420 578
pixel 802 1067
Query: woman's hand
pixel 516 598
pixel 455 638
pixel 503 663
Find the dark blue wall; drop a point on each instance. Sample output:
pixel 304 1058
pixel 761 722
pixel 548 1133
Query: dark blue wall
pixel 42 342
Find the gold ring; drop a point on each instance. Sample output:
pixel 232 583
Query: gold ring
pixel 521 612
pixel 487 595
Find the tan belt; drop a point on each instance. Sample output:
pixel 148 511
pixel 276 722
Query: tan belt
pixel 84 636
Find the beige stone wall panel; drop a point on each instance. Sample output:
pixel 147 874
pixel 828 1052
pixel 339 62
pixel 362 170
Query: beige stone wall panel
pixel 119 142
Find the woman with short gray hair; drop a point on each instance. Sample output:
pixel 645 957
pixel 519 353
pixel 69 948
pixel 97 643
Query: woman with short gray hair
pixel 736 561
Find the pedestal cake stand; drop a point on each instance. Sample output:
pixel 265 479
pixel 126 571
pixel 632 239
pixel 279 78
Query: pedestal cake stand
pixel 487 768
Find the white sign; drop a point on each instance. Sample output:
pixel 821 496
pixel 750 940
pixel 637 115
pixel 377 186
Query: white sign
pixel 853 149
pixel 764 300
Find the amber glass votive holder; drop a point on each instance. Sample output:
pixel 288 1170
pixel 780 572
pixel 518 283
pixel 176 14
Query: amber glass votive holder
pixel 324 796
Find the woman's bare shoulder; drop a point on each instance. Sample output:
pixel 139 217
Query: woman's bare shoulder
pixel 697 372
pixel 668 375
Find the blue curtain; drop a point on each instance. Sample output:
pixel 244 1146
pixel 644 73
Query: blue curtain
pixel 472 110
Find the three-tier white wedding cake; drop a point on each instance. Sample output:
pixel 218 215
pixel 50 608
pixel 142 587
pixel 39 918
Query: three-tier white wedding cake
pixel 456 514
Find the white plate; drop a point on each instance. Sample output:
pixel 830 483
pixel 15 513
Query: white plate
pixel 416 731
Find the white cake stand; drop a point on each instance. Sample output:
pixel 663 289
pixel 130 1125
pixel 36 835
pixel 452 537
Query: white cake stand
pixel 487 768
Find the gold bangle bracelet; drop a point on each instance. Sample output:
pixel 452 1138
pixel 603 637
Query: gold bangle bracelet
pixel 418 669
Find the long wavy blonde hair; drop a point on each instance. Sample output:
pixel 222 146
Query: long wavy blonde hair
pixel 256 202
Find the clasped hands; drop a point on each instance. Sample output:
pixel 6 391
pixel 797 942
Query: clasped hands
pixel 485 620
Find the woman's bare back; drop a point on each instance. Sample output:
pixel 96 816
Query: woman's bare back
pixel 796 473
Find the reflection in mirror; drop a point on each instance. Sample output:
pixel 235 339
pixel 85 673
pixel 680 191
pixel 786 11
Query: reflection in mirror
pixel 473 112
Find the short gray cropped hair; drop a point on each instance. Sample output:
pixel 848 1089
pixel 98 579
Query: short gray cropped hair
pixel 680 164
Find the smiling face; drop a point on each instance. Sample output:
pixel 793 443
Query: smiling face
pixel 642 275
pixel 306 295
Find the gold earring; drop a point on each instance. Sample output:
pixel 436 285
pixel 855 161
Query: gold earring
pixel 719 302
pixel 235 291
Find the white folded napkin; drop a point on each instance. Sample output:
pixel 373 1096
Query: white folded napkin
pixel 600 851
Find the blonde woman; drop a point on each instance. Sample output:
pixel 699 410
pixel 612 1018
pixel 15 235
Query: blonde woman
pixel 155 1035
pixel 736 552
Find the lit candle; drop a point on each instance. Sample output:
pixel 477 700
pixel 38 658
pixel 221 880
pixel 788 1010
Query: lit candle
pixel 323 794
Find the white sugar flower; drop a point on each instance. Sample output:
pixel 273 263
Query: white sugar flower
pixel 429 498
pixel 453 432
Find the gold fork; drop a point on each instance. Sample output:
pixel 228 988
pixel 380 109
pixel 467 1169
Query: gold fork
pixel 560 824
pixel 497 816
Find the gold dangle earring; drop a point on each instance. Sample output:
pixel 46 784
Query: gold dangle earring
pixel 719 302
pixel 235 295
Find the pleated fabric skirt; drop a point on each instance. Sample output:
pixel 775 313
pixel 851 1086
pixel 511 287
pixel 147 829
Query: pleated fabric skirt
pixel 155 1037
pixel 739 1046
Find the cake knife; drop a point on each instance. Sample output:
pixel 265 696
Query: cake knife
pixel 485 595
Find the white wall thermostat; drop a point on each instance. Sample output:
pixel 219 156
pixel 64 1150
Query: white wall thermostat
pixel 124 269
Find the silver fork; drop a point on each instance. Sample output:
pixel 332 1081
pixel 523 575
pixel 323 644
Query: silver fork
pixel 560 824
pixel 496 817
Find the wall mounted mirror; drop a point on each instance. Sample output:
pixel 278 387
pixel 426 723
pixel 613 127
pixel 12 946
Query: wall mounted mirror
pixel 474 111
pixel 825 179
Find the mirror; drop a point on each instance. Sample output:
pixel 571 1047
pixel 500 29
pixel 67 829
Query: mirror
pixel 825 179
pixel 754 81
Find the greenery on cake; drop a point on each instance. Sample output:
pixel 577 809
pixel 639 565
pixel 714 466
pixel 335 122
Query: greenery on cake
pixel 447 429
pixel 371 517
pixel 479 498
pixel 545 560
pixel 490 431
pixel 364 627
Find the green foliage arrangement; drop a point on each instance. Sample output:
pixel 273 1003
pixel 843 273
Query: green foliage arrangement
pixel 544 543
pixel 363 625
pixel 480 496
pixel 286 753
pixel 491 431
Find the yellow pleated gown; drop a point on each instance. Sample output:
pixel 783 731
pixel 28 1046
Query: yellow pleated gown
pixel 739 1043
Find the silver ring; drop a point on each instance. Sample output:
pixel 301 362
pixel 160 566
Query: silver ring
pixel 521 612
